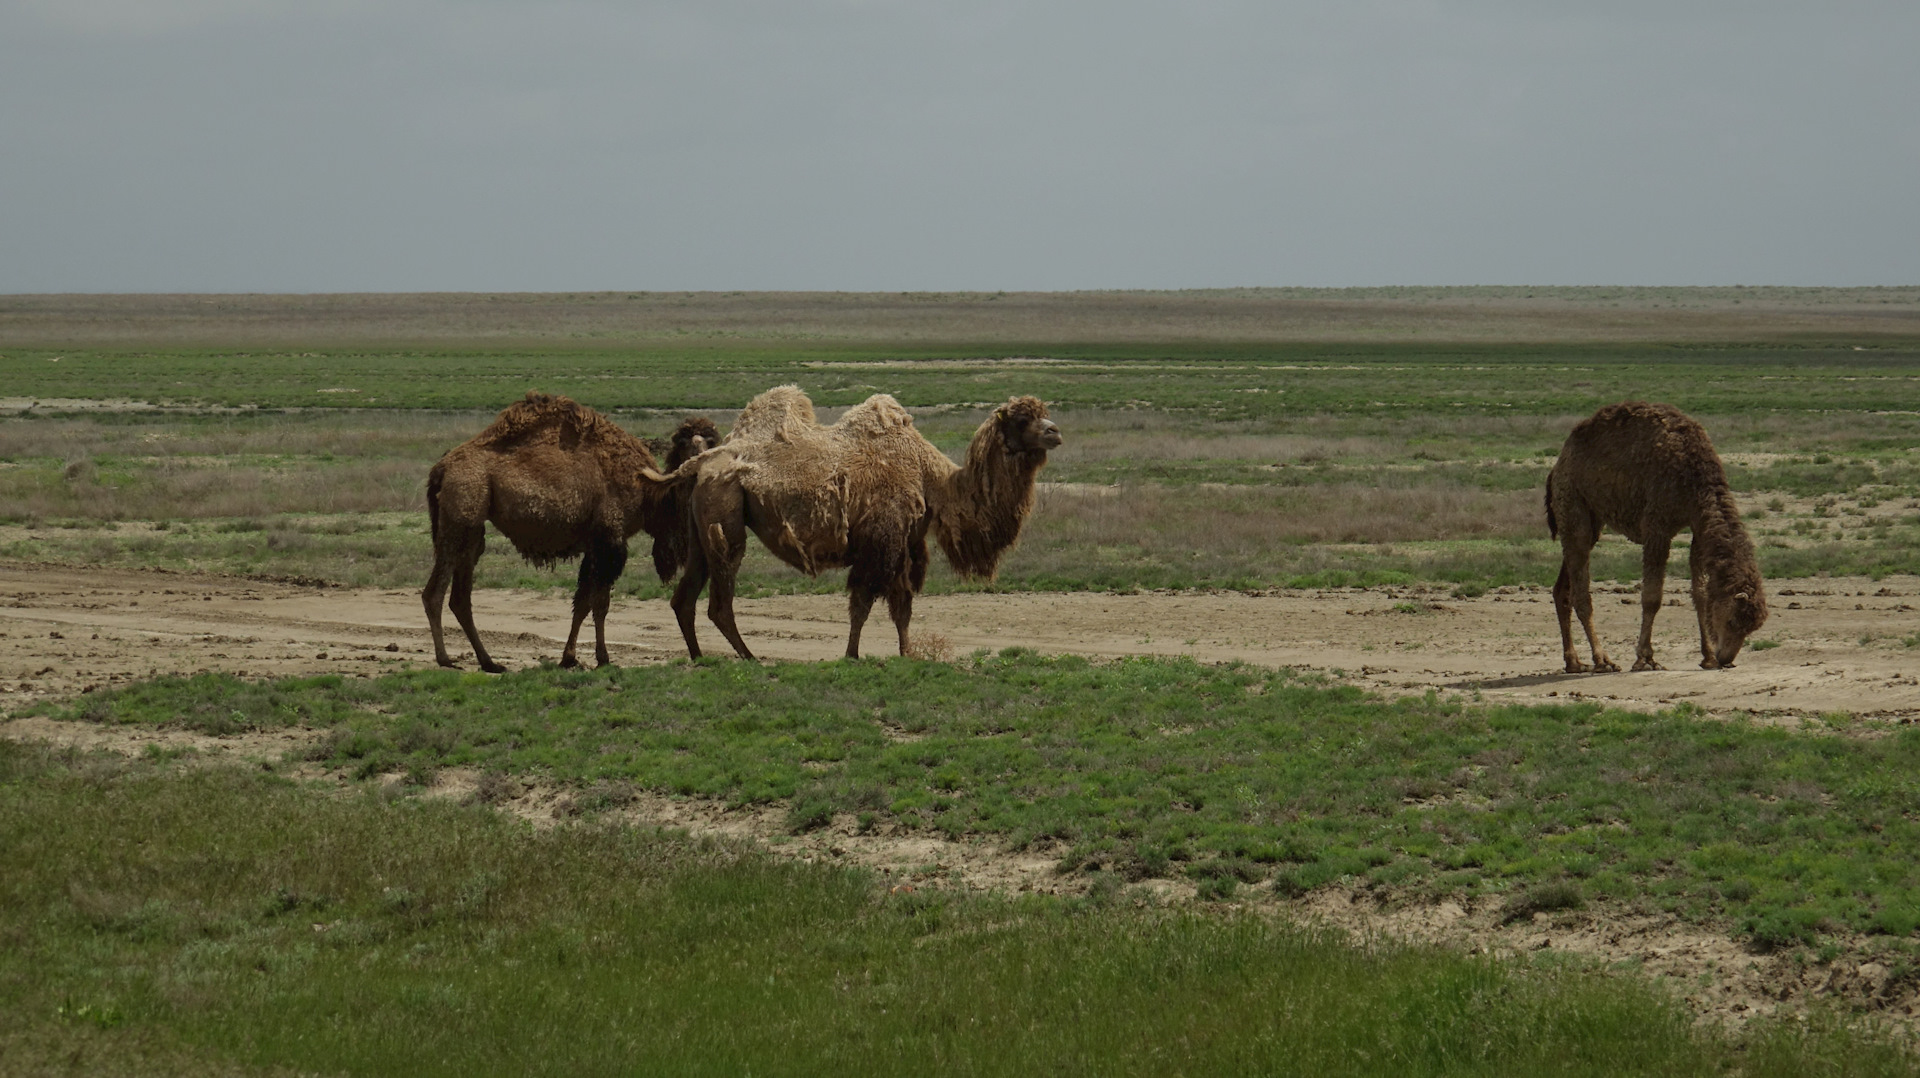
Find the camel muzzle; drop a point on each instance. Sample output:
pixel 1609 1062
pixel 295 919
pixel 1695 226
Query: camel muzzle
pixel 1050 434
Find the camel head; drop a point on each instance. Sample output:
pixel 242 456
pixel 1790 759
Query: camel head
pixel 1734 612
pixel 695 435
pixel 1024 427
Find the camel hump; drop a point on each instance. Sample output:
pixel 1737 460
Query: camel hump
pixel 1644 435
pixel 538 413
pixel 780 411
pixel 878 414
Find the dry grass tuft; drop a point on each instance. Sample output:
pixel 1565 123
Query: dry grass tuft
pixel 930 647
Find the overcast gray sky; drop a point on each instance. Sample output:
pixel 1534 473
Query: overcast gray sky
pixel 372 145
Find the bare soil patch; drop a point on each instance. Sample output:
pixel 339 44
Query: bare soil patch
pixel 1840 641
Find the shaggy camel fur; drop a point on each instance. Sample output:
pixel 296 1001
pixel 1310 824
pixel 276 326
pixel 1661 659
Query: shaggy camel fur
pixel 1647 471
pixel 559 480
pixel 861 494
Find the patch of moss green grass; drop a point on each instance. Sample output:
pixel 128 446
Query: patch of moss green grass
pixel 218 920
pixel 1162 767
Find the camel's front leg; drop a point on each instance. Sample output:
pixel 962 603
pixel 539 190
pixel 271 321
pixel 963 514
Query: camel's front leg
pixel 1697 569
pixel 612 563
pixel 582 603
pixel 1653 588
pixel 859 605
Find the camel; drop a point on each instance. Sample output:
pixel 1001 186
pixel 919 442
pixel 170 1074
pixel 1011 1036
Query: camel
pixel 559 480
pixel 861 494
pixel 1647 471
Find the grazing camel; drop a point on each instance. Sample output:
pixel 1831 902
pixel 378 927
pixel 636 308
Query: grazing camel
pixel 862 494
pixel 1647 471
pixel 559 480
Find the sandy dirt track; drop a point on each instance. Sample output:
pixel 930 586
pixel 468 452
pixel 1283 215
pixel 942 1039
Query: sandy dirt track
pixel 65 631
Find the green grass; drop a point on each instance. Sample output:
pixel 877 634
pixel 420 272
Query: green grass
pixel 1218 380
pixel 1383 464
pixel 219 921
pixel 1156 767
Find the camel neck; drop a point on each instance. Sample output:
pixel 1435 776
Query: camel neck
pixel 1716 521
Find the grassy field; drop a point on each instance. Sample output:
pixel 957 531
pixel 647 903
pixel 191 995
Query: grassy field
pixel 167 916
pixel 216 921
pixel 1389 469
pixel 1145 768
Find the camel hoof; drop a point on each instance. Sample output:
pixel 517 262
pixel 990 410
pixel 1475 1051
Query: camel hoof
pixel 1606 666
pixel 448 663
pixel 1575 666
pixel 1709 664
pixel 1647 664
pixel 493 668
pixel 568 662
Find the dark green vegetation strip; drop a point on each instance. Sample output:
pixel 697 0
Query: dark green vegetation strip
pixel 1230 775
pixel 158 921
pixel 1217 380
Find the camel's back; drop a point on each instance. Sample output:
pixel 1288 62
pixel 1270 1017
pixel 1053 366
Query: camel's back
pixel 814 492
pixel 1633 460
pixel 553 428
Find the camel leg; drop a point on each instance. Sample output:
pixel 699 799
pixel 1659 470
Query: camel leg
pixel 462 606
pixel 1698 571
pixel 434 596
pixel 731 538
pixel 1653 589
pixel 611 566
pixel 686 596
pixel 859 604
pixel 582 602
pixel 1573 594
pixel 900 607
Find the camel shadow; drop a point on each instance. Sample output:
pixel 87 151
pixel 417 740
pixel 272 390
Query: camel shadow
pixel 1519 681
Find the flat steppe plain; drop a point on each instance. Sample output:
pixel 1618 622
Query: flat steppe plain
pixel 64 632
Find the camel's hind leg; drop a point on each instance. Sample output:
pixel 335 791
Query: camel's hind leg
pixel 1573 594
pixel 454 554
pixel 726 544
pixel 1653 590
pixel 859 605
pixel 900 607
pixel 686 597
pixel 461 603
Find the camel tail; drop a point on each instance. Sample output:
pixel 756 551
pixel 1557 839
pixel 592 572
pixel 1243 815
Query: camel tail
pixel 1553 525
pixel 435 479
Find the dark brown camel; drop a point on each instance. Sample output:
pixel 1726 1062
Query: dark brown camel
pixel 1647 471
pixel 862 494
pixel 559 480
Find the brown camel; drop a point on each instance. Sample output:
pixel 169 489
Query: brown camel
pixel 861 494
pixel 1647 471
pixel 559 480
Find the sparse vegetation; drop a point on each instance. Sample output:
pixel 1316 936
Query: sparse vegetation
pixel 1164 767
pixel 358 934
